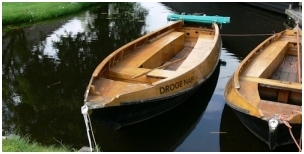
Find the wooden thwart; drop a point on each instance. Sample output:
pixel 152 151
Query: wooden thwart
pixel 284 85
pixel 160 67
pixel 140 56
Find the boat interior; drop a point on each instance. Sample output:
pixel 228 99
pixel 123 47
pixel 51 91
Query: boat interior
pixel 276 74
pixel 150 60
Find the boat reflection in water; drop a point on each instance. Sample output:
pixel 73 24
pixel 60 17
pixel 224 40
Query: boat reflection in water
pixel 235 137
pixel 163 133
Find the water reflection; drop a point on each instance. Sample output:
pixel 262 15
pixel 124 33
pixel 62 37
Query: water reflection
pixel 160 134
pixel 245 19
pixel 46 68
pixel 44 76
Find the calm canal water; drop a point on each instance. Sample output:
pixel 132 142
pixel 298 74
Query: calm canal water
pixel 46 68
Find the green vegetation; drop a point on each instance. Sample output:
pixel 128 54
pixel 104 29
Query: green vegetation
pixel 29 12
pixel 14 143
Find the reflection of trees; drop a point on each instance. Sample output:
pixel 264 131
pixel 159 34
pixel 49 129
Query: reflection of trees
pixel 123 22
pixel 42 96
pixel 15 60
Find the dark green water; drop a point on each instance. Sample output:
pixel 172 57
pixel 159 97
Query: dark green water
pixel 46 68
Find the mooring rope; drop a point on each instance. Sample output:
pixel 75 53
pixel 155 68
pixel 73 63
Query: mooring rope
pixel 92 131
pixel 284 118
pixel 84 111
pixel 247 34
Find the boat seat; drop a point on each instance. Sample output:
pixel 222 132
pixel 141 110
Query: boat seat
pixel 277 84
pixel 263 67
pixel 169 44
pixel 284 87
pixel 160 73
pixel 267 60
pixel 129 73
pixel 126 72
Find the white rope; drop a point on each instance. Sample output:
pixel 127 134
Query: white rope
pixel 84 111
pixel 95 144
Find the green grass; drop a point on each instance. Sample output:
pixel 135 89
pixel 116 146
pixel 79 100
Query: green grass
pixel 29 12
pixel 15 143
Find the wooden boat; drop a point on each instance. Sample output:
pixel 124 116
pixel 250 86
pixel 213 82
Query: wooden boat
pixel 265 91
pixel 153 73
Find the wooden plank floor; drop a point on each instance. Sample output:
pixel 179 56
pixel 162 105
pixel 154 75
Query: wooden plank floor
pixel 287 71
pixel 270 108
pixel 182 54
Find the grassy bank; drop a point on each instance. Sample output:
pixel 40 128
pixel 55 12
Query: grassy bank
pixel 14 143
pixel 28 12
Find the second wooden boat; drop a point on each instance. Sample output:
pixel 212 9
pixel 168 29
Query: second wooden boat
pixel 265 91
pixel 153 73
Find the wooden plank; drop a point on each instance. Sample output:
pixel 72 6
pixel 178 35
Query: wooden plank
pixel 160 67
pixel 270 108
pixel 277 84
pixel 283 96
pixel 287 71
pixel 160 73
pixel 105 87
pixel 182 54
pixel 202 49
pixel 138 57
pixel 128 72
pixel 165 53
pixel 292 52
pixel 249 91
pixel 267 60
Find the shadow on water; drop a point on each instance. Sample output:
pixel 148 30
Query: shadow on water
pixel 162 133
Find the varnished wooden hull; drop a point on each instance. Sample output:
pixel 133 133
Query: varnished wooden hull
pixel 153 74
pixel 118 117
pixel 134 112
pixel 267 86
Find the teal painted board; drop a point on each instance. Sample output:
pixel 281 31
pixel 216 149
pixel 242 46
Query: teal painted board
pixel 199 18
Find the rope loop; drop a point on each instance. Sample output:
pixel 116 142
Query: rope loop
pixel 284 118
